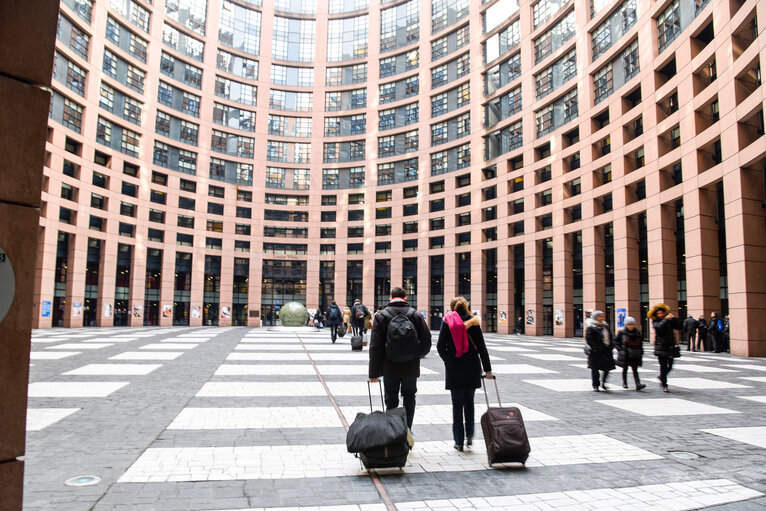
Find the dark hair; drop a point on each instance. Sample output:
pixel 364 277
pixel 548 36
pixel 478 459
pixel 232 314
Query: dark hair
pixel 398 292
pixel 459 304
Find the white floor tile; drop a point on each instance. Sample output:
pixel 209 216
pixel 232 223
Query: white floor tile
pixel 359 388
pixel 310 461
pixel 148 355
pixel 51 355
pixel 75 389
pixel 657 407
pixel 702 383
pixel 40 418
pixel 755 435
pixel 747 367
pixel 757 399
pixel 501 369
pixel 442 414
pixel 257 418
pixel 269 347
pixel 262 389
pixel 552 357
pixel 573 385
pixel 511 349
pixel 79 346
pixel 114 370
pixel 688 495
pixel 695 368
pixel 268 356
pixel 265 370
pixel 168 346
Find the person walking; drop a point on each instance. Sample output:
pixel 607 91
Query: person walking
pixel 690 332
pixel 400 337
pixel 598 337
pixel 334 319
pixel 318 319
pixel 702 334
pixel 714 330
pixel 519 326
pixel 630 352
pixel 461 346
pixel 665 347
pixel 358 313
pixel 725 334
pixel 347 318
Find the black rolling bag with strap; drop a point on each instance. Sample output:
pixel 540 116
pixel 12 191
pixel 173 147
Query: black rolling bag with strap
pixel 504 432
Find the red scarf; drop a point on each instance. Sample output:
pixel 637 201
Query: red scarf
pixel 458 331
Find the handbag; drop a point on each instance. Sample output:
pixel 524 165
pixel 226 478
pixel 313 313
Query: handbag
pixel 675 352
pixel 587 349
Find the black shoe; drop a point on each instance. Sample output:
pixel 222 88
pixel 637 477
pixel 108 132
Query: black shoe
pixel 595 388
pixel 640 386
pixel 469 440
pixel 603 386
pixel 625 385
pixel 665 389
pixel 458 447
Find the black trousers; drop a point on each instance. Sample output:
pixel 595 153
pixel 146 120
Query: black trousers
pixel 666 365
pixel 595 377
pixel 634 367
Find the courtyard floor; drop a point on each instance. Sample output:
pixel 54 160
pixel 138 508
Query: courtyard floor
pixel 246 418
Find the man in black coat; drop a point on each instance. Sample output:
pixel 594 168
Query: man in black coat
pixel 397 375
pixel 690 332
pixel 334 318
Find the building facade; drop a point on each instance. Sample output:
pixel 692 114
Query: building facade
pixel 210 160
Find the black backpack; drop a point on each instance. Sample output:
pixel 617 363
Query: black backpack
pixel 334 313
pixel 402 343
pixel 359 311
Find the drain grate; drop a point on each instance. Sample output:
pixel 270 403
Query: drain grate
pixel 82 481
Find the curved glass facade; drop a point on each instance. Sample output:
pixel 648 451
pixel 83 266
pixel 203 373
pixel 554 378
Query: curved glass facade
pixel 211 160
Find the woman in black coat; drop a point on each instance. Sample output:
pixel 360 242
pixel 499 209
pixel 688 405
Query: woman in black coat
pixel 461 346
pixel 630 351
pixel 598 337
pixel 665 348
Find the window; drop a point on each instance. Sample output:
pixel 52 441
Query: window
pixel 544 83
pixel 668 25
pixel 544 120
pixel 601 39
pixel 72 115
pixel 602 83
pixel 630 60
pixel 75 78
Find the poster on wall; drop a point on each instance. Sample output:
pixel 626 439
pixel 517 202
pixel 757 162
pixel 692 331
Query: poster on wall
pixel 108 310
pixel 138 311
pixel 77 309
pixel 503 318
pixel 225 312
pixel 621 315
pixel 423 313
pixel 45 311
pixel 167 311
pixel 476 312
pixel 559 317
pixel 530 317
pixel 196 312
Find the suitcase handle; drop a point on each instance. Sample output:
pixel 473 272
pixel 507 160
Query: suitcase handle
pixel 497 390
pixel 369 393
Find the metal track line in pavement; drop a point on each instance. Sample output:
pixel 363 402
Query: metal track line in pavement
pixel 373 475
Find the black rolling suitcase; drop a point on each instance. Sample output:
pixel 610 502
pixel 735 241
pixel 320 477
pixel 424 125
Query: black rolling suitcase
pixel 340 330
pixel 504 433
pixel 379 439
pixel 356 343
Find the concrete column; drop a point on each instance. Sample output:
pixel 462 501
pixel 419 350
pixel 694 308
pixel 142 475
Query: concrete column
pixel 746 259
pixel 397 268
pixel 661 240
pixel 45 275
pixel 75 281
pixel 106 282
pixel 450 275
pixel 341 282
pixel 137 285
pixel 703 276
pixel 478 270
pixel 627 285
pixel 593 275
pixel 563 280
pixel 505 290
pixel 424 282
pixel 254 291
pixel 227 289
pixel 533 287
pixel 312 279
pixel 167 285
pixel 368 282
pixel 25 67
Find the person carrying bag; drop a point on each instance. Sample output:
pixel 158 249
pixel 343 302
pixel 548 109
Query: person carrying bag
pixel 461 346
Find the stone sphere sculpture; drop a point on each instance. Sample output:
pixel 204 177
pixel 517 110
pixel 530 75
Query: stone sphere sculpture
pixel 293 314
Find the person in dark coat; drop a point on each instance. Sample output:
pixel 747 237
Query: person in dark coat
pixel 397 375
pixel 665 348
pixel 519 326
pixel 725 334
pixel 318 319
pixel 461 346
pixel 714 330
pixel 690 332
pixel 630 352
pixel 702 333
pixel 358 313
pixel 599 338
pixel 334 318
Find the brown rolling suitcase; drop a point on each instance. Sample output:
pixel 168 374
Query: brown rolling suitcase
pixel 504 433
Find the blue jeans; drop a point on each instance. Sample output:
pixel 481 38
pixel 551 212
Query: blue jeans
pixel 409 387
pixel 462 407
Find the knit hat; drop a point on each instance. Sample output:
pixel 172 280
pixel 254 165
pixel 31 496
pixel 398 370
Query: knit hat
pixel 629 321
